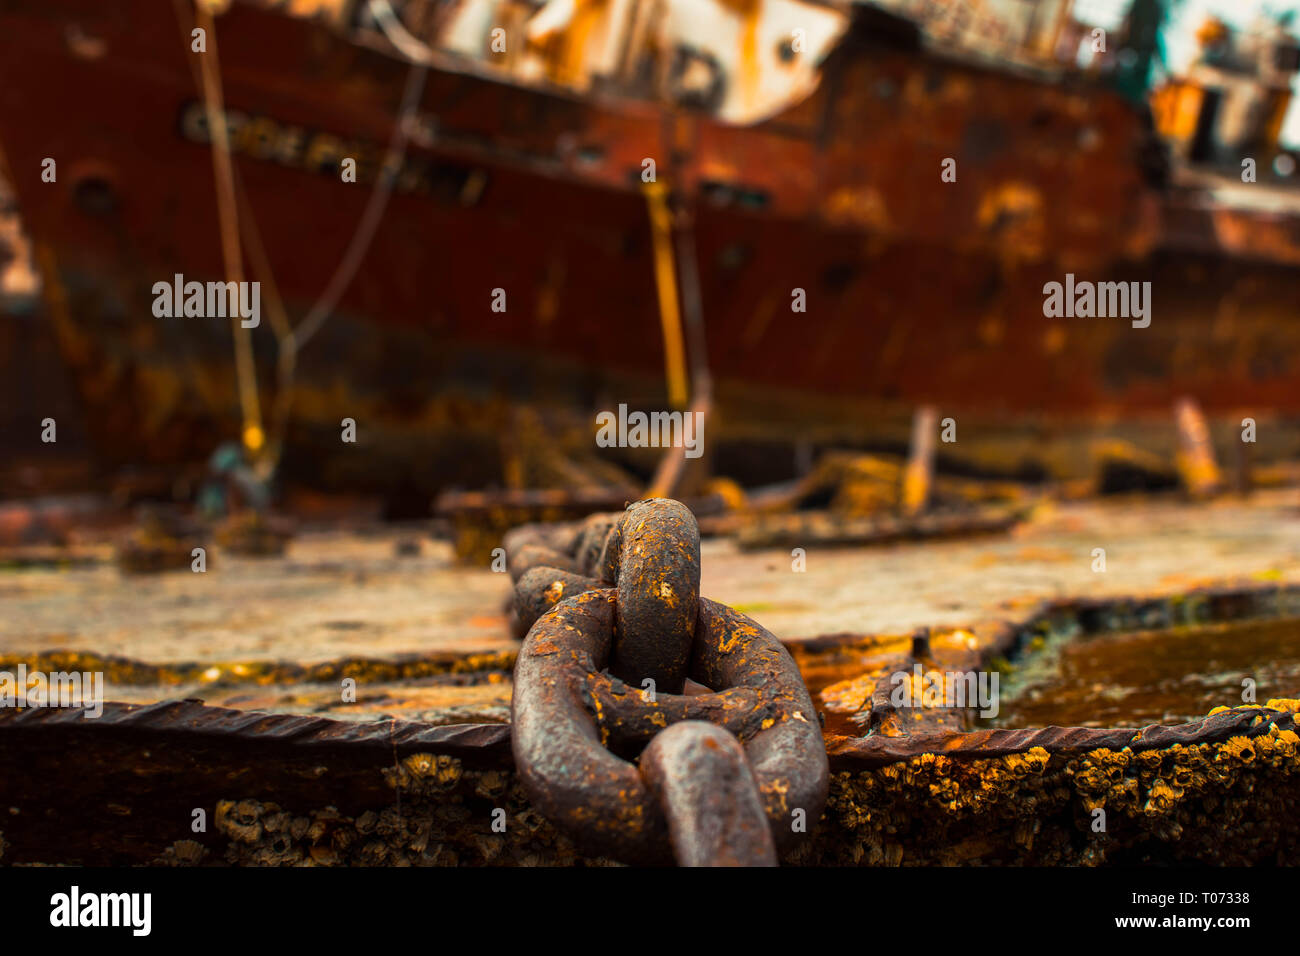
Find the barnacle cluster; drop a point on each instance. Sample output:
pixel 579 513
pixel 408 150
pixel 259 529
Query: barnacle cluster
pixel 443 814
pixel 1227 802
pixel 182 853
pixel 1223 801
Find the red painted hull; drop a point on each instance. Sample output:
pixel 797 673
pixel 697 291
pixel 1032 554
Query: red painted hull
pixel 917 290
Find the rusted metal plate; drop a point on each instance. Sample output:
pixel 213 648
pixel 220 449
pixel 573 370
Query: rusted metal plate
pixel 254 760
pixel 294 789
pixel 827 530
pixel 191 718
pixel 312 791
pixel 490 743
pixel 854 753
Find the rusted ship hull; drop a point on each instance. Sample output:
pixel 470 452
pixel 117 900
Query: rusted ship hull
pixel 917 290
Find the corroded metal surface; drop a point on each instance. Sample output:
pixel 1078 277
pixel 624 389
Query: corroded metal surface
pixel 849 753
pixel 653 552
pixel 480 519
pixel 803 530
pixel 1227 802
pixel 323 792
pixel 863 703
pixel 192 719
pixel 335 596
pixel 490 742
pixel 575 546
pixel 699 775
pixel 129 671
pixel 809 199
pixel 550 562
pixel 540 589
pixel 1213 790
pixel 561 747
pixel 571 719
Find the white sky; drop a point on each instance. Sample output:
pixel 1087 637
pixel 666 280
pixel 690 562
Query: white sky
pixel 1180 33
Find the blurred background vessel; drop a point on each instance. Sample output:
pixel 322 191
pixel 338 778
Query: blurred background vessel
pixel 797 151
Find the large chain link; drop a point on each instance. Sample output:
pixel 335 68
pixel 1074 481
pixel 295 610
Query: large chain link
pixel 615 626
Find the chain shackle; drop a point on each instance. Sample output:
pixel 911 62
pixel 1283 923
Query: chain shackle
pixel 549 563
pixel 653 553
pixel 708 795
pixel 723 786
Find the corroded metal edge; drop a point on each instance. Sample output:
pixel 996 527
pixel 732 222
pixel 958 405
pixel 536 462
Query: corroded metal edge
pixel 826 529
pixel 860 753
pixel 1220 602
pixel 999 638
pixel 227 673
pixel 194 719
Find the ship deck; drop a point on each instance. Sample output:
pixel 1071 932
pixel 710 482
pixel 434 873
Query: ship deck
pixel 427 639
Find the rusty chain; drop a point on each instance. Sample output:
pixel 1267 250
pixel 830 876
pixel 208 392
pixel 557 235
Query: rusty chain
pixel 615 627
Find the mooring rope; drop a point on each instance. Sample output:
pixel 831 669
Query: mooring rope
pixel 374 211
pixel 237 219
pixel 254 437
